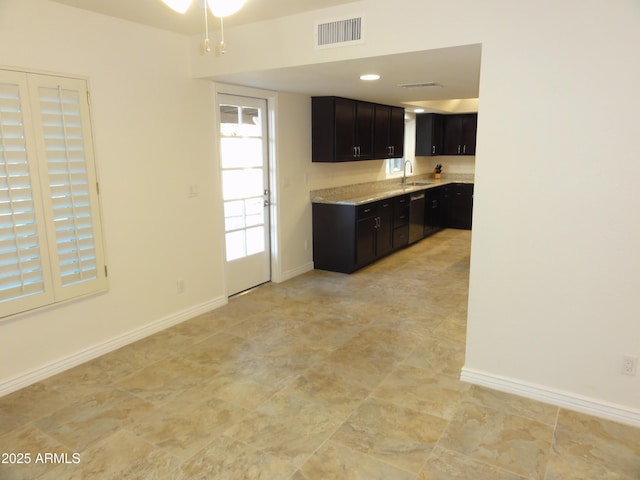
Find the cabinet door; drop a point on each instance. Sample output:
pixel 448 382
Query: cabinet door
pixel 366 233
pixel 468 134
pixel 439 210
pixel 428 134
pixel 452 135
pixel 345 133
pixel 381 131
pixel 385 228
pixel 461 206
pixel 444 206
pixel 388 132
pixel 364 130
pixel 396 132
pixel 430 211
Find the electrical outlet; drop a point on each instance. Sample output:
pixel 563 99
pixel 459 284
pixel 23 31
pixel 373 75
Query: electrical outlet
pixel 629 365
pixel 180 286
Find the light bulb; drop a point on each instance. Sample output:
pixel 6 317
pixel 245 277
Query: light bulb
pixel 224 8
pixel 179 6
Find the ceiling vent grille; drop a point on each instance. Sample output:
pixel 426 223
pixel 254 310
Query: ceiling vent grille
pixel 420 85
pixel 344 31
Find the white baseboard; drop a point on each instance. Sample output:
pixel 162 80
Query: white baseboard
pixel 289 274
pixel 570 401
pixel 70 361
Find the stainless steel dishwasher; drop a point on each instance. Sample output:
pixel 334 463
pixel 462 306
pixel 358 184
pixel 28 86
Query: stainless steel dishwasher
pixel 416 217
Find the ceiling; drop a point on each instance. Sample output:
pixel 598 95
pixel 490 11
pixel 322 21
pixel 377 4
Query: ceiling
pixel 456 69
pixel 156 14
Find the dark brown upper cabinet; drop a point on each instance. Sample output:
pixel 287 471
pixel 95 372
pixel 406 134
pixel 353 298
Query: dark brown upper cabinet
pixel 446 134
pixel 346 130
pixel 459 134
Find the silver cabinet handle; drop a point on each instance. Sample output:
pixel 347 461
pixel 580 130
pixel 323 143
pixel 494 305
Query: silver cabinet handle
pixel 458 148
pixel 464 149
pixel 433 149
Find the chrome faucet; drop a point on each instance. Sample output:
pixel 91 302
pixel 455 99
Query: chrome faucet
pixel 404 171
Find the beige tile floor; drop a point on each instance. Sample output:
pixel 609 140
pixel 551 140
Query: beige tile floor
pixel 326 376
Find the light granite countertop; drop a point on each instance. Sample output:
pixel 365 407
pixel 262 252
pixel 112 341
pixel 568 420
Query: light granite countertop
pixel 370 192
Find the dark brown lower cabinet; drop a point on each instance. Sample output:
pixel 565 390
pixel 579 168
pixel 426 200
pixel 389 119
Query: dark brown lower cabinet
pixel 374 231
pixel 433 210
pixel 457 205
pixel 462 206
pixel 349 237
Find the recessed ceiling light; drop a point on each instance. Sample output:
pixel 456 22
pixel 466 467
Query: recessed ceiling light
pixel 370 76
pixel 418 110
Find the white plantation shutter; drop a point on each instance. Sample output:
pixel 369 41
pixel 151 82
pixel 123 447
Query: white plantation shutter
pixel 61 120
pixel 50 235
pixel 24 279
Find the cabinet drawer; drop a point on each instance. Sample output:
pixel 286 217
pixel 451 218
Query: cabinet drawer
pixel 385 206
pixel 380 208
pixel 400 236
pixel 367 210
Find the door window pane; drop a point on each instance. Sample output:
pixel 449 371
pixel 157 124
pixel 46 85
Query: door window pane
pixel 240 121
pixel 234 215
pixel 237 184
pixel 235 245
pixel 254 208
pixel 238 152
pixel 255 240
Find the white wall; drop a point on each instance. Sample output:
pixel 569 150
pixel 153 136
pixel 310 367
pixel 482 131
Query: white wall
pixel 293 149
pixel 554 269
pixel 553 299
pixel 152 130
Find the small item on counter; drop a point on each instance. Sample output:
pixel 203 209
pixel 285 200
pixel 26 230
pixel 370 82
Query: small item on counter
pixel 437 171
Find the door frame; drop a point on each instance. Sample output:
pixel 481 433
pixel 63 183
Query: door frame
pixel 271 99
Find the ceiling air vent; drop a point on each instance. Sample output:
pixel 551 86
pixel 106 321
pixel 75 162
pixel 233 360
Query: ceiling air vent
pixel 344 31
pixel 420 85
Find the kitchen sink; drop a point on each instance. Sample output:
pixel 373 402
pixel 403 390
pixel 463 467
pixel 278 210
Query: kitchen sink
pixel 418 184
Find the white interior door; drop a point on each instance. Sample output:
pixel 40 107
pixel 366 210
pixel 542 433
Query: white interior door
pixel 245 190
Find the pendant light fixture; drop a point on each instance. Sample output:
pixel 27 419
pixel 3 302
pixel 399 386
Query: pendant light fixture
pixel 219 8
pixel 224 8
